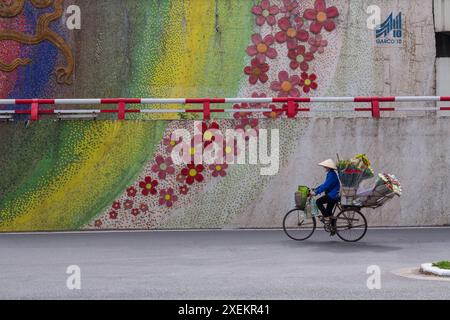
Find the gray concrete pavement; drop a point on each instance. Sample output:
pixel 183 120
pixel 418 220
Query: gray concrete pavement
pixel 219 265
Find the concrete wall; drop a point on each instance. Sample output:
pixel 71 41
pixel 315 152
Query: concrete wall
pixel 89 175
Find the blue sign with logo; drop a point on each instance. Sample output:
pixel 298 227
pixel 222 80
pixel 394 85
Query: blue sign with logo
pixel 390 31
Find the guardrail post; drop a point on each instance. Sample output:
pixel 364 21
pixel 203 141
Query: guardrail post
pixel 35 110
pixel 207 110
pixel 375 108
pixel 121 110
pixel 291 109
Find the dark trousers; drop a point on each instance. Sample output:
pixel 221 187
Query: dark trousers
pixel 328 211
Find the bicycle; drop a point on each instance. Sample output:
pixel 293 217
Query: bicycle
pixel 349 221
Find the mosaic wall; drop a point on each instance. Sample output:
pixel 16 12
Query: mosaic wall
pixel 119 175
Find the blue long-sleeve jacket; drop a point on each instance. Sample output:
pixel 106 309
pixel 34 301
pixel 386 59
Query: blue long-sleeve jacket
pixel 331 186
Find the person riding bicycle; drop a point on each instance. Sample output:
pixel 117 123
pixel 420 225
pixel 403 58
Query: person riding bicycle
pixel 330 187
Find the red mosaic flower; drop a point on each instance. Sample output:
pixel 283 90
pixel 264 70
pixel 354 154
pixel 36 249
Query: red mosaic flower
pixel 167 197
pixel 116 205
pixel 135 212
pixel 259 104
pixel 300 58
pixel 321 16
pixel 131 191
pixel 290 7
pixel 218 170
pixel 113 215
pixel 249 126
pixel 274 114
pixel 318 44
pixel 98 223
pixel 257 71
pixel 148 186
pixel 265 13
pixel 184 189
pixel 128 204
pixel 286 86
pixel 163 166
pixel 209 133
pixel 261 48
pixel 180 178
pixel 193 173
pixel 308 82
pixel 290 33
pixel 143 207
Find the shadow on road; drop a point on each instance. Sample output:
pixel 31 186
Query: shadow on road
pixel 336 246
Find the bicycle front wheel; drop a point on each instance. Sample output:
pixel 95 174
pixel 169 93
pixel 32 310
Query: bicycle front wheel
pixel 351 225
pixel 297 226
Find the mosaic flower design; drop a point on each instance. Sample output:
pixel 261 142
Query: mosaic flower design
pixel 259 104
pixel 184 189
pixel 300 58
pixel 193 173
pixel 318 44
pixel 128 204
pixel 163 167
pixel 249 126
pixel 167 197
pixel 170 144
pixel 275 113
pixel 290 7
pixel 291 33
pixel 243 114
pixel 113 215
pixel 257 71
pixel 321 16
pixel 143 207
pixel 135 212
pixel 265 13
pixel 116 205
pixel 287 85
pixel 148 186
pixel 208 133
pixel 218 170
pixel 131 191
pixel 261 48
pixel 308 82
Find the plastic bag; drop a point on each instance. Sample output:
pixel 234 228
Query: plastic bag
pixel 311 209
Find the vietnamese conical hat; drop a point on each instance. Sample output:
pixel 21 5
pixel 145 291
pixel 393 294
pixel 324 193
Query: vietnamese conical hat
pixel 328 164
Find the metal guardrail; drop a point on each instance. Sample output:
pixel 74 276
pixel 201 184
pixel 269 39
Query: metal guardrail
pixel 290 105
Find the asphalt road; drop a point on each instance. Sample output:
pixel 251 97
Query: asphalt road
pixel 219 265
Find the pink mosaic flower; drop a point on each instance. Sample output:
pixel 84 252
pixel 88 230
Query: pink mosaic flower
pixel 143 207
pixel 287 85
pixel 257 71
pixel 128 204
pixel 261 48
pixel 163 167
pixel 290 7
pixel 131 192
pixel 308 82
pixel 321 16
pixel 242 114
pixel 167 197
pixel 291 33
pixel 300 58
pixel 265 13
pixel 135 212
pixel 218 170
pixel 274 113
pixel 170 144
pixel 317 44
pixel 193 173
pixel 249 126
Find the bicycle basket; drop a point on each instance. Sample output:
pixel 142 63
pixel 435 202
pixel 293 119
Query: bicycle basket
pixel 301 196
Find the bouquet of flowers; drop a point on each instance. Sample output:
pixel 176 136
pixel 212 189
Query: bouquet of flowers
pixel 386 187
pixel 351 172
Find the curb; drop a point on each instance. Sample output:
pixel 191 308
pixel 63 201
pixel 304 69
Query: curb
pixel 427 268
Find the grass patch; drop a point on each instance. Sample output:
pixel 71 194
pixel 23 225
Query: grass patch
pixel 442 265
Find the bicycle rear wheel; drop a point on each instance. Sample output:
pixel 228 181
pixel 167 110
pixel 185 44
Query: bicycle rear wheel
pixel 297 226
pixel 351 225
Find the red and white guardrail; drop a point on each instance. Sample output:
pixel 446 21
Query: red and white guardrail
pixel 290 105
